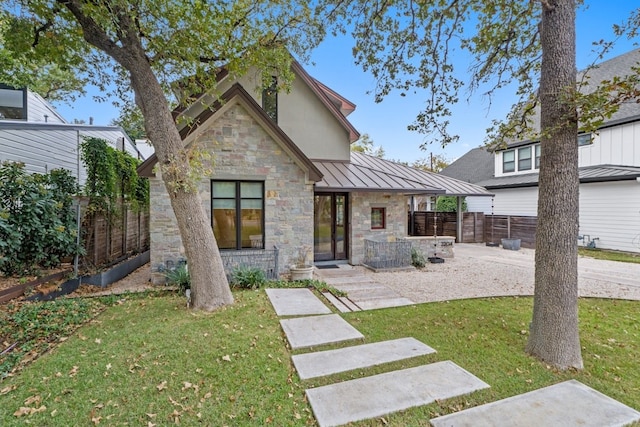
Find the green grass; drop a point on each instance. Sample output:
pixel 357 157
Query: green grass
pixel 150 360
pixel 610 255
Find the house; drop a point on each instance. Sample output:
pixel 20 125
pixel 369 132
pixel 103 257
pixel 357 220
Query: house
pixel 609 170
pixel 34 133
pixel 284 175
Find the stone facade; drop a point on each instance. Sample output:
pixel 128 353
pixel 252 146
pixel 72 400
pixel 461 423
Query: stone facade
pixel 241 150
pixel 396 211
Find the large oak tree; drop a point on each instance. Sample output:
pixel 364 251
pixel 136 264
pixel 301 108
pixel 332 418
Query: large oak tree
pixel 148 47
pixel 523 43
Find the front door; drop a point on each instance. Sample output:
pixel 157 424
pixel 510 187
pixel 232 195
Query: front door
pixel 330 226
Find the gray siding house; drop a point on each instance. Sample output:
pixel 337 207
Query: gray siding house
pixel 32 132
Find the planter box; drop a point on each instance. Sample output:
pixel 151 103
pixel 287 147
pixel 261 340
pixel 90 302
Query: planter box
pixel 301 273
pixel 511 244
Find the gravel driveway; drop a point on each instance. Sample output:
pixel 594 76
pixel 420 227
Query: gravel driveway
pixel 481 271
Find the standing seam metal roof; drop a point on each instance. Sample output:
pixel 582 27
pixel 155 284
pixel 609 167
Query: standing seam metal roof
pixel 368 173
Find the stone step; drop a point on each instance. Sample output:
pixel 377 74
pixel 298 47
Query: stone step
pixel 569 403
pixel 312 331
pixel 375 396
pixel 343 304
pixel 296 302
pixel 322 363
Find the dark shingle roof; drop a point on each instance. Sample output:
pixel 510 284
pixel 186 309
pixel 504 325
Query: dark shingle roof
pixel 599 173
pixel 475 166
pixel 368 173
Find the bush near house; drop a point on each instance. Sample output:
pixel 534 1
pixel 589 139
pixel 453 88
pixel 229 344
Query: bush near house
pixel 37 224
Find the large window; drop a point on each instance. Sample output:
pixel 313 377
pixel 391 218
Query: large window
pixel 524 158
pixel 13 103
pixel 237 209
pixel 509 161
pixel 270 99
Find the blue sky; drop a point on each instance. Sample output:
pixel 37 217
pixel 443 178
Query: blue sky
pixel 386 122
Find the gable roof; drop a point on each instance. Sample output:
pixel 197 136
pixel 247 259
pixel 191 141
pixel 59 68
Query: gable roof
pixel 599 173
pixel 237 92
pixel 368 173
pixel 474 166
pixel 346 107
pixel 619 66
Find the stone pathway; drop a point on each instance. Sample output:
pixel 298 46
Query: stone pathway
pixel 566 404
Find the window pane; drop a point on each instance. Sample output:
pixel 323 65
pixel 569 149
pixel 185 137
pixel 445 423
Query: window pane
pixel 250 204
pixel 584 139
pixel 12 104
pixel 223 189
pixel 251 190
pixel 509 161
pixel 224 227
pixel 524 158
pixel 251 227
pixel 224 204
pixel 537 150
pixel 377 218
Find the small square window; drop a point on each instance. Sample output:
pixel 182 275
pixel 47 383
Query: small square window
pixel 584 139
pixel 378 218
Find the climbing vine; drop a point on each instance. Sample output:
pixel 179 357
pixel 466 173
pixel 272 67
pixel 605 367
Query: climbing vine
pixel 112 177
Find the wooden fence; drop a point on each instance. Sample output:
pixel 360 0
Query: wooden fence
pixel 110 240
pixel 476 226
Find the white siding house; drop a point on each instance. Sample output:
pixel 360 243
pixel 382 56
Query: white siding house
pixel 32 132
pixel 609 167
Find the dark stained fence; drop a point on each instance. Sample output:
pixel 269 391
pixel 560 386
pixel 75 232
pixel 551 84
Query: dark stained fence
pixel 110 240
pixel 476 226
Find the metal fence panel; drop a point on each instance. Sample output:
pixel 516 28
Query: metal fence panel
pixel 381 254
pixel 263 259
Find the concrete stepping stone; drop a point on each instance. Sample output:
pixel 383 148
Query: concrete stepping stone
pixel 318 330
pixel 343 304
pixel 569 403
pixel 321 363
pixel 296 302
pixel 374 396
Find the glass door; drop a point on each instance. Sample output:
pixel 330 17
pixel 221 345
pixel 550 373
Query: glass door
pixel 330 226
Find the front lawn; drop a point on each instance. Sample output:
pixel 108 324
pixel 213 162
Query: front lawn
pixel 151 362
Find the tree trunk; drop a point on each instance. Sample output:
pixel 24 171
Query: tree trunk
pixel 554 331
pixel 209 286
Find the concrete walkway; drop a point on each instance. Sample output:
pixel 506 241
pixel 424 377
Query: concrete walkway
pixel 566 404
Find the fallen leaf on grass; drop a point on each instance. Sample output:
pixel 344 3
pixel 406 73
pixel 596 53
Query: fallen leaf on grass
pixel 162 386
pixel 226 358
pixel 28 411
pixel 73 371
pixel 96 420
pixel 8 389
pixel 32 399
pixel 98 341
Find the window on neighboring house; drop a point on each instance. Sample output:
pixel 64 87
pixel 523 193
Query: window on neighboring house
pixel 378 218
pixel 524 159
pixel 509 161
pixel 536 148
pixel 584 139
pixel 270 99
pixel 237 213
pixel 13 103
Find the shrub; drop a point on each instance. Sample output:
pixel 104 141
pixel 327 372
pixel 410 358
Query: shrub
pixel 417 258
pixel 37 222
pixel 179 277
pixel 248 277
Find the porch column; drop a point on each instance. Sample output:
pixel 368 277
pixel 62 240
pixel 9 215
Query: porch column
pixel 459 220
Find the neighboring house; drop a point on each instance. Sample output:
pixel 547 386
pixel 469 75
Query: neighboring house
pixel 609 168
pixel 283 175
pixel 32 132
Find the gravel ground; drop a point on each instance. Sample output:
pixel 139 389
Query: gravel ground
pixel 475 271
pixel 481 271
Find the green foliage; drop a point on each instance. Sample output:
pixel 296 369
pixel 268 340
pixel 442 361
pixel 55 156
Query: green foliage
pixel 365 145
pixel 179 277
pixel 37 222
pixel 417 258
pixel 450 204
pixel 248 277
pixel 111 177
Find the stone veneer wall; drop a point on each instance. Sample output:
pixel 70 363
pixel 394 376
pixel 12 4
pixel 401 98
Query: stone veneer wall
pixel 396 219
pixel 242 151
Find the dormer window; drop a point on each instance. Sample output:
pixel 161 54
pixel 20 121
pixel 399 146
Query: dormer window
pixel 270 99
pixel 13 103
pixel 509 161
